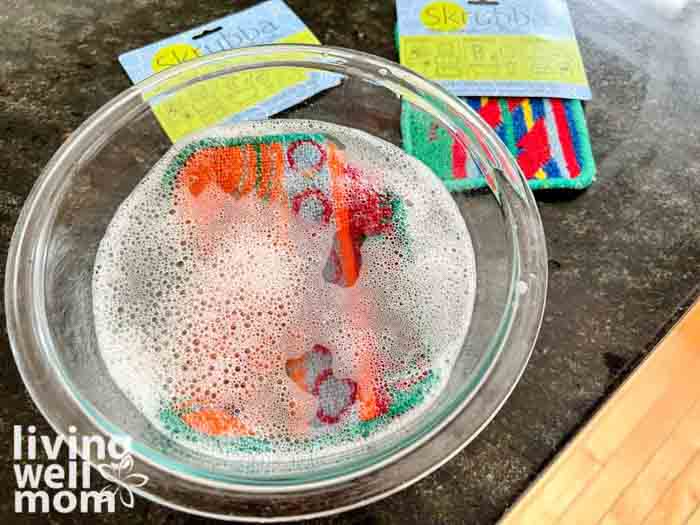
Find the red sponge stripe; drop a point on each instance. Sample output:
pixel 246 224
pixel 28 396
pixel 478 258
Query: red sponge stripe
pixel 459 160
pixel 491 113
pixel 567 145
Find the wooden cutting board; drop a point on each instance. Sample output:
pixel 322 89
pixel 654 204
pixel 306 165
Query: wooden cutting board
pixel 638 460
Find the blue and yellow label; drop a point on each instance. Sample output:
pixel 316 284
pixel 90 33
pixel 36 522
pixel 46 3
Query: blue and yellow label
pixel 517 48
pixel 239 96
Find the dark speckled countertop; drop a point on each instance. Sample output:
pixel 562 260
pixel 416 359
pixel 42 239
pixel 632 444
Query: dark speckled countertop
pixel 623 255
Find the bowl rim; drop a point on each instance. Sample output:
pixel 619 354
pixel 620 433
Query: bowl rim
pixel 26 337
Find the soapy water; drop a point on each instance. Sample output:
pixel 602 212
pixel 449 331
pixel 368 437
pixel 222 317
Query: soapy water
pixel 283 288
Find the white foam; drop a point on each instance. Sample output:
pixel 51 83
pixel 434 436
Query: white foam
pixel 207 298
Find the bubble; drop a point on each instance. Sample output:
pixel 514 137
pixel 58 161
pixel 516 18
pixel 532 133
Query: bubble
pixel 522 287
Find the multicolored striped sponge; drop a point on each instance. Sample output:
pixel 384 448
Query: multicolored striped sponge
pixel 548 138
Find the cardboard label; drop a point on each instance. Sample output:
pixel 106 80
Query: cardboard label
pixel 242 96
pixel 516 48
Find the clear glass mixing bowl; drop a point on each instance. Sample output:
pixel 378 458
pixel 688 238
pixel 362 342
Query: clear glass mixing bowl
pixel 50 266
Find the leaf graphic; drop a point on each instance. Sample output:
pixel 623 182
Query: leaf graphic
pixel 109 492
pixel 136 480
pixel 107 472
pixel 125 466
pixel 127 498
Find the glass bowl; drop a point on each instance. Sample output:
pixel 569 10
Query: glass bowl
pixel 50 267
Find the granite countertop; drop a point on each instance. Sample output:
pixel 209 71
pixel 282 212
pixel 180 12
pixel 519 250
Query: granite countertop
pixel 623 255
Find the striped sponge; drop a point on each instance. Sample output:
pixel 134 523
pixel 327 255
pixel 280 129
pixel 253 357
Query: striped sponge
pixel 548 138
